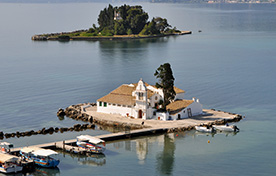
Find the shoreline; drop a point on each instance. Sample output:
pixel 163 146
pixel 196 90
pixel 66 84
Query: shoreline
pixel 54 37
pixel 210 117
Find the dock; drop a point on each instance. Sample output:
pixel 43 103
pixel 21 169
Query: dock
pixel 67 145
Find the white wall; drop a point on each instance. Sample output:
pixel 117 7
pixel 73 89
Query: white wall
pixel 161 116
pixel 110 109
pixel 152 100
pixel 196 109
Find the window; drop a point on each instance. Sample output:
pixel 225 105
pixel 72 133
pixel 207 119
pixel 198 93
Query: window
pixel 154 113
pixel 100 103
pixel 140 96
pixel 105 104
pixel 156 97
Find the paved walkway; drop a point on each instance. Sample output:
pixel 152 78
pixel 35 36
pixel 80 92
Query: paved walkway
pixel 210 116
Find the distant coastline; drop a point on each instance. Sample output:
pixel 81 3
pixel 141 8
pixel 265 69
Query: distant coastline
pixel 64 36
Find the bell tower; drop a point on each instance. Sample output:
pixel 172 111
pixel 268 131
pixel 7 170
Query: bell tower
pixel 141 100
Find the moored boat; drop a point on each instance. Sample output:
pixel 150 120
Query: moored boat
pixel 41 157
pixel 205 129
pixel 5 147
pixel 10 163
pixel 91 144
pixel 229 128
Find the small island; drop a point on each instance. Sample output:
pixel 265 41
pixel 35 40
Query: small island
pixel 124 22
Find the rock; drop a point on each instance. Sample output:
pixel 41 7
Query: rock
pixel 7 135
pixel 1 134
pixel 61 113
pixel 77 126
pixel 90 119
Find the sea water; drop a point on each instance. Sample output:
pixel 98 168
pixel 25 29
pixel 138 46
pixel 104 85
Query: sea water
pixel 230 65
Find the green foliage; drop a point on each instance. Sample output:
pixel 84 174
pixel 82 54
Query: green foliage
pixel 129 32
pixel 136 19
pixel 107 32
pixel 106 18
pixel 150 29
pixel 119 28
pixel 129 20
pixel 161 24
pixel 166 82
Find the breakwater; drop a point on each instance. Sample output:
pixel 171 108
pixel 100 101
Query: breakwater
pixel 44 131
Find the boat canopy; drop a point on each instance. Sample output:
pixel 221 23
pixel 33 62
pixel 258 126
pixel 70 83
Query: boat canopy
pixel 91 139
pixel 8 158
pixel 6 144
pixel 44 152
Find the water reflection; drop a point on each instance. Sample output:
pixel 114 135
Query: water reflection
pixel 89 159
pixel 46 171
pixel 145 145
pixel 122 48
pixel 165 159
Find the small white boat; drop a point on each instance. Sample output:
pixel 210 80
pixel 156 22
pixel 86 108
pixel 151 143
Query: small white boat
pixel 205 129
pixel 10 163
pixel 5 147
pixel 91 144
pixel 41 157
pixel 229 128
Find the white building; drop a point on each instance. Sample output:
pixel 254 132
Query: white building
pixel 142 100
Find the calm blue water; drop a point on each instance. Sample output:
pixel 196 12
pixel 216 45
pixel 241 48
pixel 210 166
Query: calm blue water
pixel 230 65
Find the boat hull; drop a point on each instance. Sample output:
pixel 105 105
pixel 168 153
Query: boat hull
pixel 205 129
pixel 231 128
pixel 90 147
pixel 48 164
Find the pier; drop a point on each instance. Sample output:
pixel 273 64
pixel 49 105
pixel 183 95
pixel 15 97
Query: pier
pixel 67 144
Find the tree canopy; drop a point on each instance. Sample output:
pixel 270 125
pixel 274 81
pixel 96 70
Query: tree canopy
pixel 126 20
pixel 165 78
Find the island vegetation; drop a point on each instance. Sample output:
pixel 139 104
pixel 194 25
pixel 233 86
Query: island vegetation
pixel 119 22
pixel 165 78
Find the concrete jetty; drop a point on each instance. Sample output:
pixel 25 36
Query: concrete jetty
pixel 67 144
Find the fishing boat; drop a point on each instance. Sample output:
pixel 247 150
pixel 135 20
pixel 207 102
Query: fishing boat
pixel 10 163
pixel 205 129
pixel 41 157
pixel 228 128
pixel 91 144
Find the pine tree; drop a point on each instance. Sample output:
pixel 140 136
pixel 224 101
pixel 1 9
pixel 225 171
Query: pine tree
pixel 165 78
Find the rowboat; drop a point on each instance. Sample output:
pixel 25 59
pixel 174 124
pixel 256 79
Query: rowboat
pixel 228 128
pixel 91 144
pixel 205 129
pixel 10 163
pixel 41 157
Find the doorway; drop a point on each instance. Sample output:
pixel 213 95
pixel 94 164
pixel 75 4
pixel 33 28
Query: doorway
pixel 140 114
